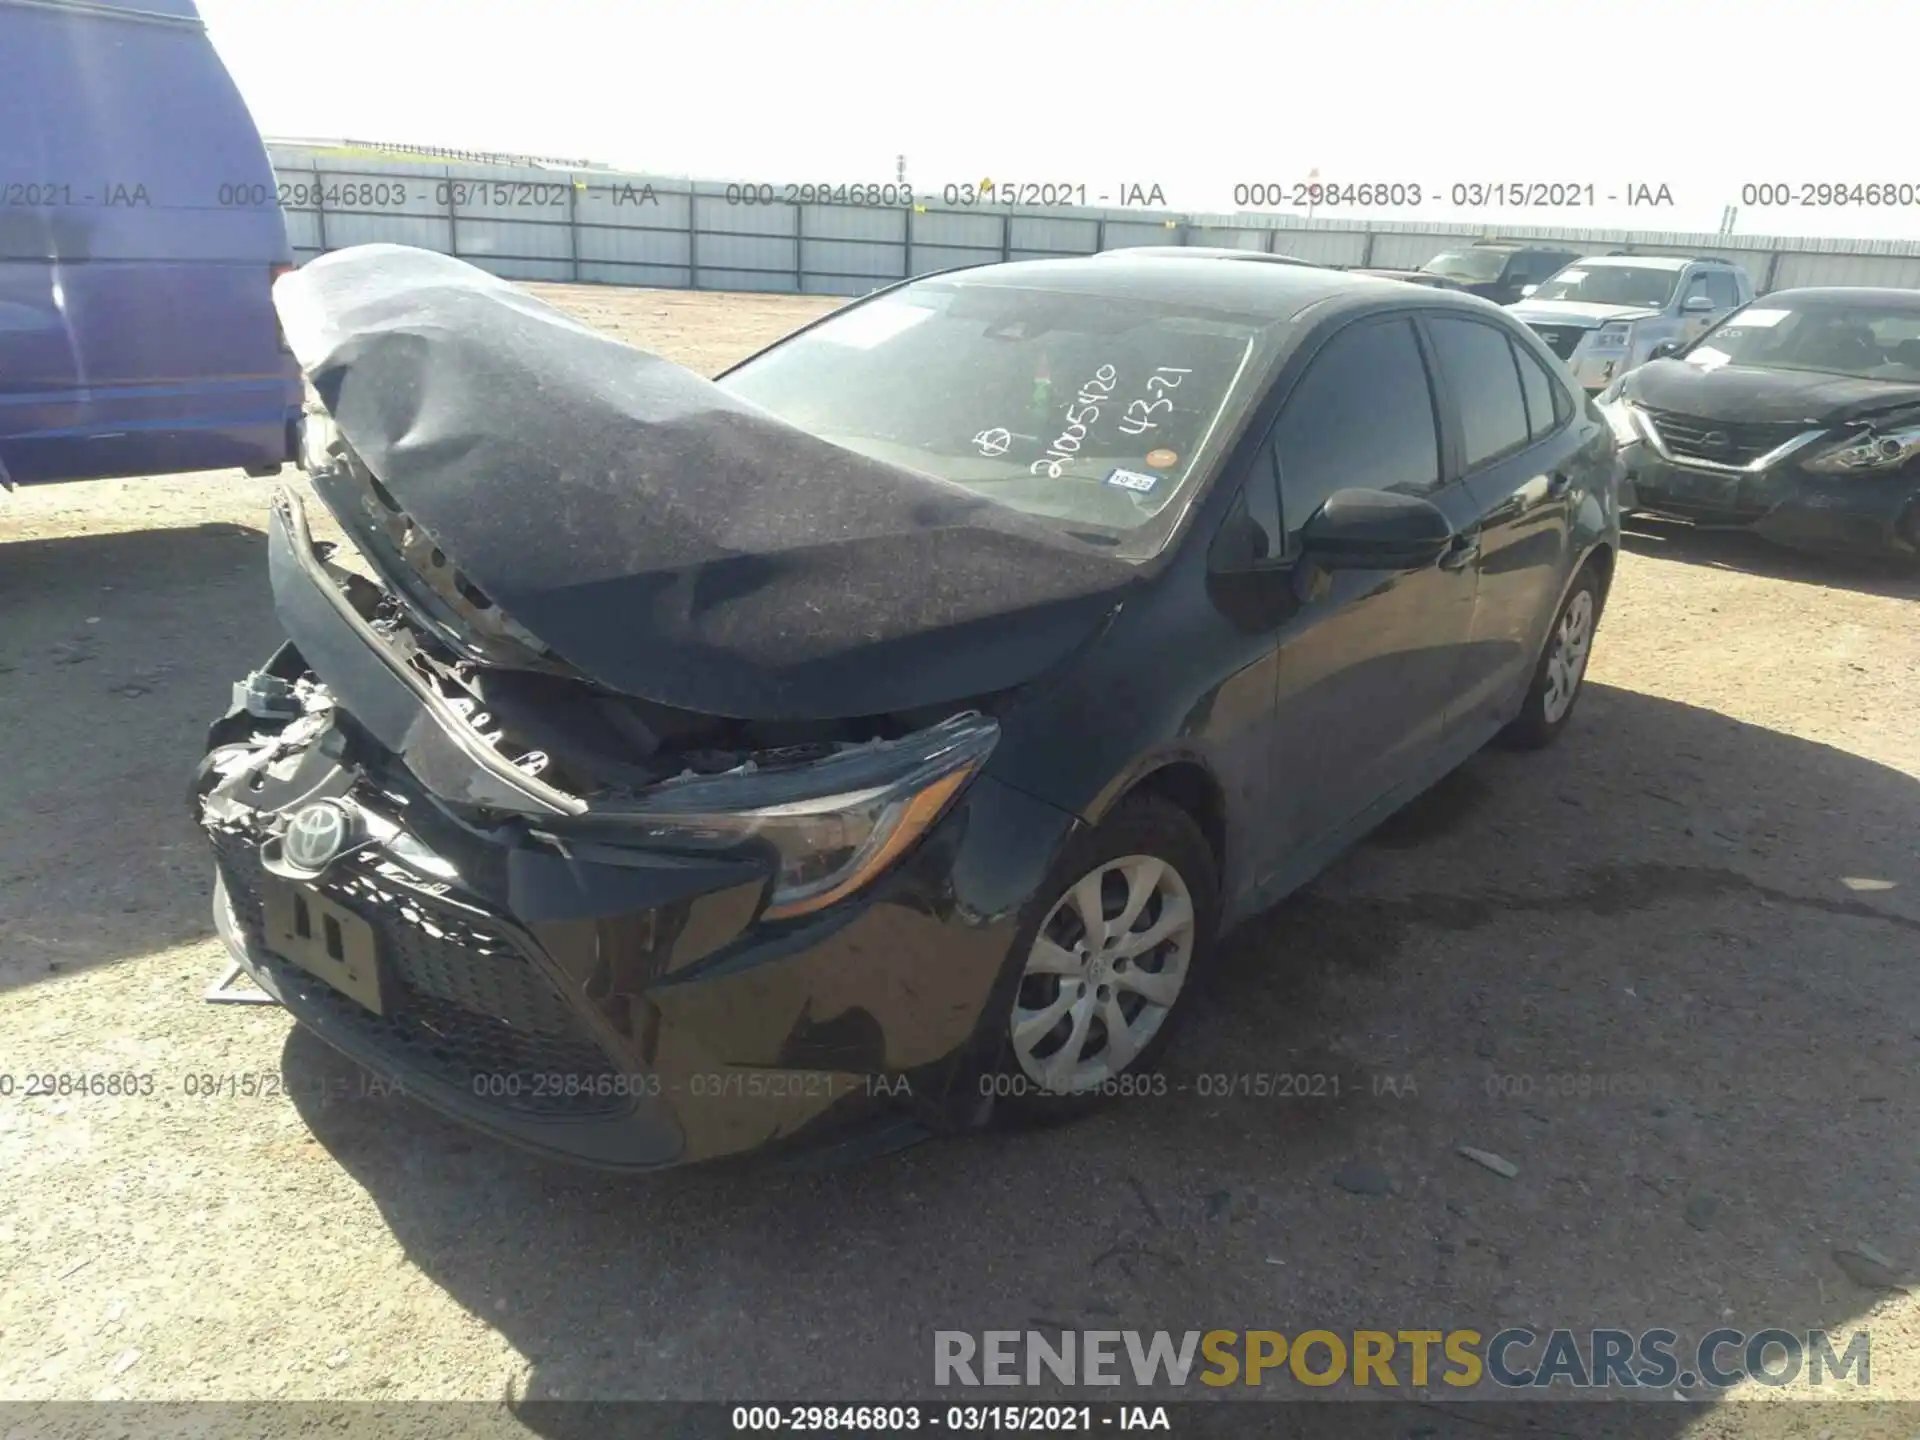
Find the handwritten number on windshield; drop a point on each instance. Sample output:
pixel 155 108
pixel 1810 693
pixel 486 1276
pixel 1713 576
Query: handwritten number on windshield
pixel 1135 421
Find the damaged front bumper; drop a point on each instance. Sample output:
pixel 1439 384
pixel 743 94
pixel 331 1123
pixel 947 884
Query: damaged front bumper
pixel 1855 514
pixel 580 979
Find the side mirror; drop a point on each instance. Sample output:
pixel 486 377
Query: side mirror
pixel 1697 304
pixel 1664 349
pixel 1375 530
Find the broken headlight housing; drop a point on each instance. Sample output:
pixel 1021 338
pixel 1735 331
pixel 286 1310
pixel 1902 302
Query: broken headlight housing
pixel 1870 454
pixel 832 826
pixel 1621 418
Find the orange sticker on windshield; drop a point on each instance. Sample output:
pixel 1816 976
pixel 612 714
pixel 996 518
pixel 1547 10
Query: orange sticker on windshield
pixel 1161 459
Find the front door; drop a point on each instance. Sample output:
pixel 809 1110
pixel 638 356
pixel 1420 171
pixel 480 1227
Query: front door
pixel 1369 666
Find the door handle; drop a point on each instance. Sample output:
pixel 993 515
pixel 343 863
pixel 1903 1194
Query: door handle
pixel 1464 550
pixel 1558 483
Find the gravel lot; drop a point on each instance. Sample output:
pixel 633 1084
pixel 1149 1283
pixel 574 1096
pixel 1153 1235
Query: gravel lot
pixel 1706 898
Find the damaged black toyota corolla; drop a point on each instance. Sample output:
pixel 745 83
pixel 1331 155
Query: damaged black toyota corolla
pixel 876 738
pixel 1797 417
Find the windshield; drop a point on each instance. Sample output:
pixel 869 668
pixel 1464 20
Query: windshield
pixel 1094 412
pixel 1866 342
pixel 1610 285
pixel 1472 266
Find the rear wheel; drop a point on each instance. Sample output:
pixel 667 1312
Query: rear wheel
pixel 1107 967
pixel 1558 678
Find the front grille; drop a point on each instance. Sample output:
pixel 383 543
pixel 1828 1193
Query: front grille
pixel 1563 340
pixel 1690 437
pixel 465 1001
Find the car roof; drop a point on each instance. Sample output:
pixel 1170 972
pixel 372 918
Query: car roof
pixel 1892 297
pixel 1264 292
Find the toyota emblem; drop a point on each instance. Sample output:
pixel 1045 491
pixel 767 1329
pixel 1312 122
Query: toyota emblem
pixel 316 834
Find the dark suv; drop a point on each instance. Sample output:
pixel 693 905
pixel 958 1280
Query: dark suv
pixel 1499 270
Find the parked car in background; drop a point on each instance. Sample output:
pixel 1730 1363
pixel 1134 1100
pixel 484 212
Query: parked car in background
pixel 1411 277
pixel 885 730
pixel 1604 314
pixel 1498 270
pixel 1797 418
pixel 140 235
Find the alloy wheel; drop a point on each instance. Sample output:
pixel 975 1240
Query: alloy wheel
pixel 1104 972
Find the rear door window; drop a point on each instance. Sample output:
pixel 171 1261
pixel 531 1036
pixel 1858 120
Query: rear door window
pixel 1478 364
pixel 1544 415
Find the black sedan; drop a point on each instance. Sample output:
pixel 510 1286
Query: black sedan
pixel 1797 417
pixel 873 741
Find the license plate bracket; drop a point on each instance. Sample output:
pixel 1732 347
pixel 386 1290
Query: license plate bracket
pixel 325 939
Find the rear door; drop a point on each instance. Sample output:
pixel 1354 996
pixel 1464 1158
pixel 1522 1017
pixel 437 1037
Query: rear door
pixel 141 237
pixel 1517 440
pixel 1371 663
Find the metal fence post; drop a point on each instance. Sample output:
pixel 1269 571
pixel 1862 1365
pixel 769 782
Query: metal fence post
pixel 1006 236
pixel 1366 247
pixel 573 225
pixel 693 234
pixel 1773 267
pixel 799 245
pixel 906 243
pixel 453 219
pixel 320 207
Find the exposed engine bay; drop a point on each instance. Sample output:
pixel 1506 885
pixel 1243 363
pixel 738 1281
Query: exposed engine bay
pixel 534 709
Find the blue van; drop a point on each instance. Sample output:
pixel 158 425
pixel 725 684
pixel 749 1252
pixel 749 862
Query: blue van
pixel 140 236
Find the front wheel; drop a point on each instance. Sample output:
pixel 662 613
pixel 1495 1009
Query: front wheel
pixel 1562 668
pixel 1129 920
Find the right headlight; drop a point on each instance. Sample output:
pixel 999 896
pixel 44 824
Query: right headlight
pixel 1869 454
pixel 832 826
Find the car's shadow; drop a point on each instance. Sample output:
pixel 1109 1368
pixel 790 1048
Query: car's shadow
pixel 116 652
pixel 1613 907
pixel 1663 539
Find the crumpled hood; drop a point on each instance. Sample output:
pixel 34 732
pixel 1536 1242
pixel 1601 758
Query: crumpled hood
pixel 1584 313
pixel 663 537
pixel 1743 393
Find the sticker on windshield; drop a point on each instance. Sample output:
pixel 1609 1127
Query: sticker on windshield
pixel 1708 358
pixel 1134 480
pixel 1162 459
pixel 1759 317
pixel 1571 276
pixel 873 323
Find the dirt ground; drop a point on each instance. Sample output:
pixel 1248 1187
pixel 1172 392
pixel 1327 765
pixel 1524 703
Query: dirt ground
pixel 1705 899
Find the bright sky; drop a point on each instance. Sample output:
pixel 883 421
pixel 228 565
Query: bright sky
pixel 1194 95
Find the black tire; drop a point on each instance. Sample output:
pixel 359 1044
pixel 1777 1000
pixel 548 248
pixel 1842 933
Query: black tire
pixel 1532 729
pixel 1142 824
